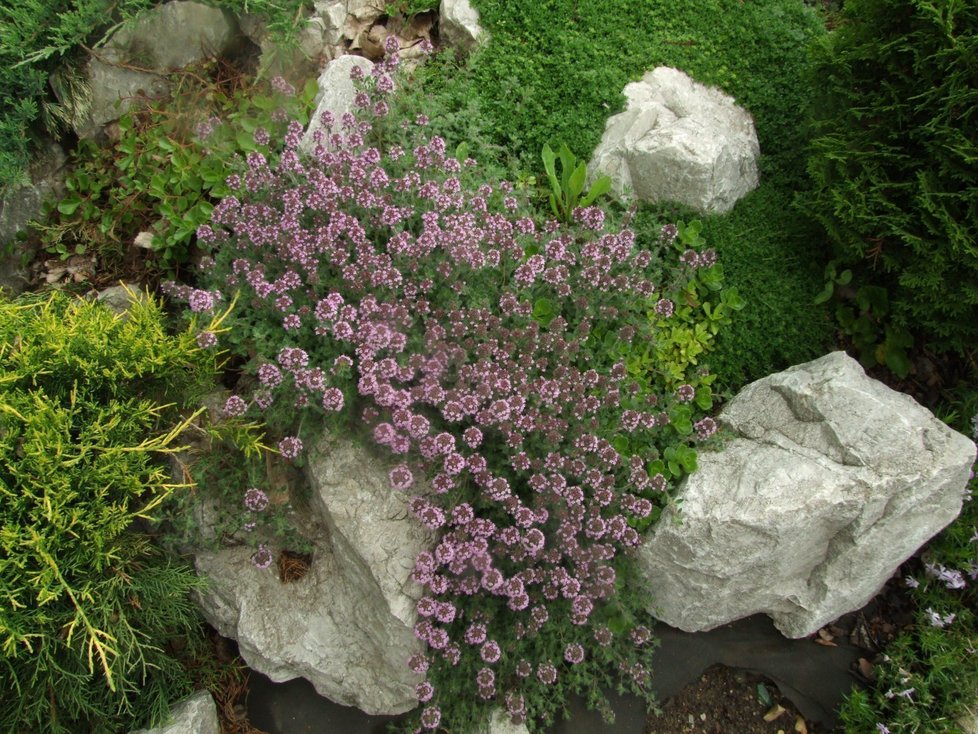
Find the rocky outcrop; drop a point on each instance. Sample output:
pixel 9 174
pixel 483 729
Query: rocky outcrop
pixel 458 25
pixel 680 141
pixel 134 61
pixel 829 482
pixel 194 715
pixel 21 204
pixel 336 93
pixel 347 624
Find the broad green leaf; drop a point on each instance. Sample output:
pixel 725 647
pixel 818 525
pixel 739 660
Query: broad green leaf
pixel 576 184
pixel 599 188
pixel 69 205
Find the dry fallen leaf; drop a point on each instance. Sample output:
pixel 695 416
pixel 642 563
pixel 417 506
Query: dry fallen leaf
pixel 776 711
pixel 866 669
pixel 800 726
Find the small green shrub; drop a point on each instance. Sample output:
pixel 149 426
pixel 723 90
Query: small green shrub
pixel 89 609
pixel 167 169
pixel 894 165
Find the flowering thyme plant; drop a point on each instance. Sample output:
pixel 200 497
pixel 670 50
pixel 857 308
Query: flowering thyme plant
pixel 386 285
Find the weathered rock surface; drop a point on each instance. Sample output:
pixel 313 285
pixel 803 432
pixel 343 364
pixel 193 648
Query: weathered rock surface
pixel 295 62
pixel 458 24
pixel 678 140
pixel 347 624
pixel 500 724
pixel 132 62
pixel 831 481
pixel 18 206
pixel 336 93
pixel 196 714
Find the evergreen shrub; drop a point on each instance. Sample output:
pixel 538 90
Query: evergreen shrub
pixel 894 165
pixel 89 608
pixel 384 283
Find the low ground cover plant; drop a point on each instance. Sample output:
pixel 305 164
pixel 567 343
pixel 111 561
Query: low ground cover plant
pixel 384 282
pixel 92 612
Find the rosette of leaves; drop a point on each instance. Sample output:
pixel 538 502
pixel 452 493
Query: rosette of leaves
pixel 90 610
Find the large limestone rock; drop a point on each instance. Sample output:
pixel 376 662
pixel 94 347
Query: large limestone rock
pixel 458 25
pixel 347 624
pixel 196 714
pixel 335 95
pixel 134 60
pixel 678 140
pixel 830 482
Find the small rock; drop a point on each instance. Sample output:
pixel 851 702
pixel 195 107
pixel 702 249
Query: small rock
pixel 194 715
pixel 458 25
pixel 678 140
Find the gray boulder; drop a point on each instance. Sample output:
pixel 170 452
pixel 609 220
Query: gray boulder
pixel 134 61
pixel 21 204
pixel 830 481
pixel 678 140
pixel 458 25
pixel 196 714
pixel 347 624
pixel 335 95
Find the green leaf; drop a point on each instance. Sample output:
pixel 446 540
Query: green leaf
pixel 704 398
pixel 68 205
pixel 599 188
pixel 576 185
pixel 826 294
pixel 764 695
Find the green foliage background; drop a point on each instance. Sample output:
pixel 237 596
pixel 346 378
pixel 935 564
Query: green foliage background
pixel 894 160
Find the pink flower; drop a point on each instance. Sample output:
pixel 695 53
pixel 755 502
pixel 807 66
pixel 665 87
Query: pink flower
pixel 400 477
pixel 290 447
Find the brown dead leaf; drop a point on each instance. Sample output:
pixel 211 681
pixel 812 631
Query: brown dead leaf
pixel 866 669
pixel 777 710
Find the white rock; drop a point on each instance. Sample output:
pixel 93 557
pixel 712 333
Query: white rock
pixel 367 11
pixel 19 204
pixel 500 724
pixel 831 481
pixel 118 298
pixel 347 625
pixel 333 17
pixel 336 93
pixel 678 140
pixel 196 714
pixel 168 37
pixel 458 24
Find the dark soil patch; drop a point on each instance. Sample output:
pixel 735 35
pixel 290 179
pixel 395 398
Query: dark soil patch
pixel 726 700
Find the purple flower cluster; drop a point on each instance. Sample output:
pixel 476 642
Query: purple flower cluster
pixel 464 329
pixel 255 500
